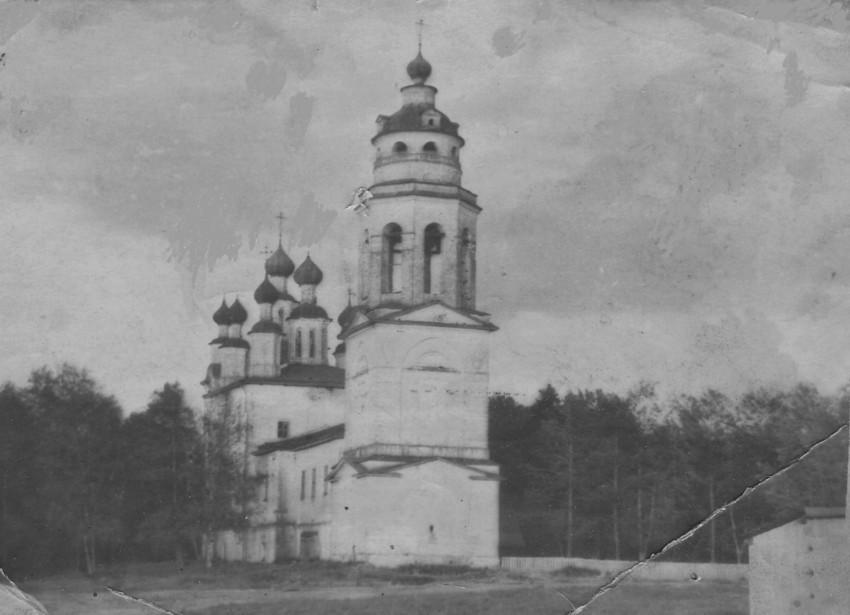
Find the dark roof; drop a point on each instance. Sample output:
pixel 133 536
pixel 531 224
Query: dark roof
pixel 266 292
pixel 308 273
pixel 266 326
pixel 279 263
pixel 409 119
pixel 308 310
pixel 294 375
pixel 234 342
pixel 304 441
pixel 340 349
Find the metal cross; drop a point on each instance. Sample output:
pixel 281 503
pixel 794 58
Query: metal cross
pixel 280 218
pixel 421 24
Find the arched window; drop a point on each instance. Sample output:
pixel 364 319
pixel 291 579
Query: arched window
pixel 454 152
pixel 399 147
pixel 433 259
pixel 284 351
pixel 312 344
pixel 392 259
pixel 467 267
pixel 430 147
pixel 298 344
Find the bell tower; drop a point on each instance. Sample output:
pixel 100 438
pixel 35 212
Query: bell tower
pixel 418 241
pixel 416 461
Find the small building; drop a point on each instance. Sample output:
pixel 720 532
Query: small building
pixel 802 567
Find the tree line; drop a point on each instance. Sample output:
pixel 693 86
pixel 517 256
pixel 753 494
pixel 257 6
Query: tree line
pixel 80 484
pixel 597 475
pixel 586 473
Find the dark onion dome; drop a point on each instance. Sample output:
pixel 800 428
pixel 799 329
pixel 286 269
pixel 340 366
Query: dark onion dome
pixel 308 273
pixel 340 349
pixel 419 69
pixel 238 315
pixel 222 315
pixel 346 316
pixel 308 310
pixel 266 292
pixel 266 326
pixel 279 264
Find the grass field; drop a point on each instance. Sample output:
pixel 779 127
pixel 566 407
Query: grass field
pixel 325 588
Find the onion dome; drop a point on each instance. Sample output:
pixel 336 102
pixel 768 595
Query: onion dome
pixel 419 69
pixel 308 273
pixel 222 315
pixel 279 263
pixel 340 349
pixel 346 317
pixel 308 310
pixel 238 315
pixel 266 292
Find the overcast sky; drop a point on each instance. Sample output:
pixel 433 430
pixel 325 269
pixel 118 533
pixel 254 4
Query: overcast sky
pixel 664 184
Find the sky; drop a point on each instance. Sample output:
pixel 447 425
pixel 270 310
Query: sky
pixel 663 184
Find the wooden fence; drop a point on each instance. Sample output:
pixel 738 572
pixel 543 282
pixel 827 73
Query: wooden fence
pixel 651 571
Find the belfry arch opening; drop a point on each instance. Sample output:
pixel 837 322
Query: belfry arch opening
pixel 467 268
pixel 399 147
pixel 433 249
pixel 392 258
pixel 430 147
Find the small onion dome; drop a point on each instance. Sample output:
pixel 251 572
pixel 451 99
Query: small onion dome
pixel 419 69
pixel 266 326
pixel 238 315
pixel 308 273
pixel 308 310
pixel 346 316
pixel 340 349
pixel 266 292
pixel 279 263
pixel 222 315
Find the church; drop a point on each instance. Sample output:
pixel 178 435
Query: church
pixel 379 454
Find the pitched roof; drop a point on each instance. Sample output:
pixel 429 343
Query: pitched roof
pixel 404 462
pixel 303 441
pixel 294 375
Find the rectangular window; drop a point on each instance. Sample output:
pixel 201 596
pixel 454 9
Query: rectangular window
pixel 312 344
pixel 282 429
pixel 303 483
pixel 313 490
pixel 325 485
pixel 298 344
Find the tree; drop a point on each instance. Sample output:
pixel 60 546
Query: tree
pixel 163 473
pixel 21 515
pixel 228 485
pixel 77 459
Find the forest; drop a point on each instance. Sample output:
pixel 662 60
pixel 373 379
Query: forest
pixel 597 475
pixel 585 473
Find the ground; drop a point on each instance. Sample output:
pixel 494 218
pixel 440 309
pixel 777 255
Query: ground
pixel 318 588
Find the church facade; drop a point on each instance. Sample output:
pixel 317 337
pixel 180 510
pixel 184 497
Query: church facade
pixel 380 455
